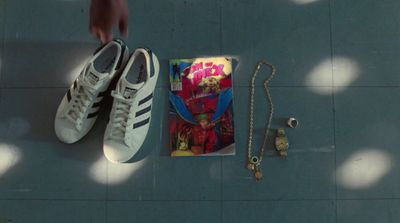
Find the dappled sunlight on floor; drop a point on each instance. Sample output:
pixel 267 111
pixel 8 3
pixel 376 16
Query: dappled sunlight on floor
pixel 75 71
pixel 340 75
pixel 116 173
pixel 303 2
pixel 364 169
pixel 9 157
pixel 346 71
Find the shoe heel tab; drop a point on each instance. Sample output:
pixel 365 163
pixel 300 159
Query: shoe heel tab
pixel 119 41
pixel 146 49
pixel 123 58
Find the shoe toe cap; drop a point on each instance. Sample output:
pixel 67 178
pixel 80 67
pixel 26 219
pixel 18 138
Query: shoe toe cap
pixel 66 132
pixel 117 152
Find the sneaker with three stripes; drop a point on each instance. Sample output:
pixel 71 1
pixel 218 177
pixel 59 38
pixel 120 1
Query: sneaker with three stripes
pixel 131 112
pixel 79 108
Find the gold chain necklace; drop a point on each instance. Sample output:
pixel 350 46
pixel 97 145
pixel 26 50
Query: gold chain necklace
pixel 254 162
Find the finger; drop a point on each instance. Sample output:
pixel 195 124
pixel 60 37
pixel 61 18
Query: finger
pixel 106 36
pixel 123 18
pixel 94 31
pixel 102 38
pixel 123 26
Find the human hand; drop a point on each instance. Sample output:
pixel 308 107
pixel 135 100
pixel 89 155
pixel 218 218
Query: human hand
pixel 105 14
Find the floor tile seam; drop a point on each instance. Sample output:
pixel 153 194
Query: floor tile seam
pixel 237 86
pixel 199 200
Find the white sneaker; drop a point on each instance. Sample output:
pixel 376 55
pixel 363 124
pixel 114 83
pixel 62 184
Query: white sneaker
pixel 131 113
pixel 79 108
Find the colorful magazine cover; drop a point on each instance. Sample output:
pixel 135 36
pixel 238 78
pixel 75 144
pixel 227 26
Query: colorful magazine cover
pixel 201 111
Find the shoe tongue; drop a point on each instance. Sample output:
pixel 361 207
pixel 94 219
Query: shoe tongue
pixel 92 76
pixel 128 90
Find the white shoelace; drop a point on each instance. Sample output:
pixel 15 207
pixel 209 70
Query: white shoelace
pixel 121 119
pixel 81 99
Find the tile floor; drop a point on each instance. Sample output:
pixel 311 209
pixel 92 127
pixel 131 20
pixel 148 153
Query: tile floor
pixel 337 73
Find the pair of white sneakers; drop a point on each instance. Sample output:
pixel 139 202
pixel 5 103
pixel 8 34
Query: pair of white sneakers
pixel 132 99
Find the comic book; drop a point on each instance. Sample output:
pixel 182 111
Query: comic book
pixel 201 107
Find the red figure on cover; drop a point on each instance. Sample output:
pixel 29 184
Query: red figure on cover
pixel 205 135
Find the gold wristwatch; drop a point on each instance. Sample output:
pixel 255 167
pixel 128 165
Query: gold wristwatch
pixel 281 142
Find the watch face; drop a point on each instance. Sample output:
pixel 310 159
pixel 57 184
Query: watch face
pixel 281 143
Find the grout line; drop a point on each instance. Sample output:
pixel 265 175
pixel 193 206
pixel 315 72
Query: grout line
pixel 209 200
pixel 49 199
pixel 227 200
pixel 172 200
pixel 107 189
pixel 4 21
pixel 220 26
pixel 302 86
pixel 335 148
pixel 367 199
pixel 57 87
pixel 237 86
pixel 106 210
pixel 173 24
pixel 222 189
pixel 333 105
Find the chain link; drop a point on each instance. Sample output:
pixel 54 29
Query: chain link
pixel 251 125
